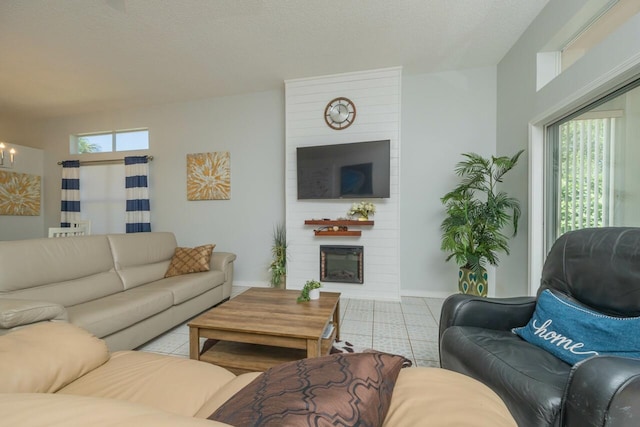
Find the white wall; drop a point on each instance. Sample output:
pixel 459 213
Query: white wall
pixel 631 197
pixel 522 113
pixel 443 115
pixel 250 127
pixel 376 95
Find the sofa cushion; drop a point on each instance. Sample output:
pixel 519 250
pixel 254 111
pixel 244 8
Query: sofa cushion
pixel 36 262
pixel 75 291
pixel 345 389
pixel 186 287
pixel 176 385
pixel 439 394
pixel 226 392
pixel 44 357
pixel 190 260
pixel 59 410
pixel 573 332
pixel 141 258
pixel 113 313
pixel 16 312
pixel 63 271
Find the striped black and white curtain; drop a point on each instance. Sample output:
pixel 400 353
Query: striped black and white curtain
pixel 70 196
pixel 136 169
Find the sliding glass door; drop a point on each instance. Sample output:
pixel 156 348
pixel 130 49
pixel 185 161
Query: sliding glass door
pixel 592 166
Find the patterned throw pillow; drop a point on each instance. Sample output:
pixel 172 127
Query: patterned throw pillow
pixel 190 260
pixel 573 332
pixel 345 389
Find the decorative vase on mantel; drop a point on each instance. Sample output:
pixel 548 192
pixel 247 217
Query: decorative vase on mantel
pixel 363 217
pixel 472 283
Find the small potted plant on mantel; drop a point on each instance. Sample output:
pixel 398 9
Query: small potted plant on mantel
pixel 310 291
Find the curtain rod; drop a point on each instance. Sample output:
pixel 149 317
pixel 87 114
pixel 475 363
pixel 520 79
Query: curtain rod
pixel 105 162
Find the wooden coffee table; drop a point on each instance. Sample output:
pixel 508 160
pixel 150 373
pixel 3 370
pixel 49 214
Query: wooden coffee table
pixel 263 327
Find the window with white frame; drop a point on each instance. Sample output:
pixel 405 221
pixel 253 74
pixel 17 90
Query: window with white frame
pixel 586 184
pixel 593 23
pixel 106 142
pixel 592 178
pixel 102 186
pixel 612 15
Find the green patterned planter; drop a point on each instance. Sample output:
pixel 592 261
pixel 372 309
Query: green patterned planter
pixel 470 283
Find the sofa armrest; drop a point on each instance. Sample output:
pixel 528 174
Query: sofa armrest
pixel 603 391
pixel 220 260
pixel 20 312
pixel 223 261
pixel 490 313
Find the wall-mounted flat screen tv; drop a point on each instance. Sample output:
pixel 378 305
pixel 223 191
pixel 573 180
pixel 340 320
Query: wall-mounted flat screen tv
pixel 344 171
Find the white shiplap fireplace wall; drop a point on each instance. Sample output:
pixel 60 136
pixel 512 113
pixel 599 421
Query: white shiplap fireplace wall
pixel 376 95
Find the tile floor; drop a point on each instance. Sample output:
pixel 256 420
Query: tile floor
pixel 409 328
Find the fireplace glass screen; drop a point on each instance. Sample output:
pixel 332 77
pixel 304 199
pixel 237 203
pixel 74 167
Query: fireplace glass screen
pixel 341 264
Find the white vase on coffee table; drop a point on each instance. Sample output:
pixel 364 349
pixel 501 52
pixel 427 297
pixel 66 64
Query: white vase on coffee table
pixel 314 294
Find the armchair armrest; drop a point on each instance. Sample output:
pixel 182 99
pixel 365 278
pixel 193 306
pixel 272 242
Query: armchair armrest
pixel 20 312
pixel 603 391
pixel 489 313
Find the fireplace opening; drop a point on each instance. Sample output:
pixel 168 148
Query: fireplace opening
pixel 341 264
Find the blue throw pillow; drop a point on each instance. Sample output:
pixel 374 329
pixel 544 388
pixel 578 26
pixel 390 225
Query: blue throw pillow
pixel 573 332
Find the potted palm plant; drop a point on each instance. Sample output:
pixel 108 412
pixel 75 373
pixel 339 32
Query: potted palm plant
pixel 278 266
pixel 472 232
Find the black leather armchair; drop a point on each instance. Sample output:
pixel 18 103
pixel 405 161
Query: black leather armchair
pixel 598 267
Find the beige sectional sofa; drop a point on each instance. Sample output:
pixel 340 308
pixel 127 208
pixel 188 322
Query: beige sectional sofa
pixel 111 285
pixel 55 374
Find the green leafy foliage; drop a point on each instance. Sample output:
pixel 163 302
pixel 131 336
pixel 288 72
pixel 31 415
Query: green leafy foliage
pixel 583 166
pixel 278 266
pixel 311 284
pixel 84 146
pixel 477 213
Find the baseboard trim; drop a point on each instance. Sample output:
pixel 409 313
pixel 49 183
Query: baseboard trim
pixel 425 294
pixel 251 284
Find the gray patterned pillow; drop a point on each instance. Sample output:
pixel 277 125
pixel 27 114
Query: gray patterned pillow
pixel 344 389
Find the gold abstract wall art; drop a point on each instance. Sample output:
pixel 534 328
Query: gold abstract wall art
pixel 209 176
pixel 19 194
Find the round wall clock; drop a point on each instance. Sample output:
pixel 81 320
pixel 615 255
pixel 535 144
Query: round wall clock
pixel 340 113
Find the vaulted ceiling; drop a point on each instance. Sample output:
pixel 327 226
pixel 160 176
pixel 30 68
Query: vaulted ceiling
pixel 68 57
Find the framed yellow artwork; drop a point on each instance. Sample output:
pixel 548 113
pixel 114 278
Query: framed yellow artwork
pixel 209 176
pixel 19 194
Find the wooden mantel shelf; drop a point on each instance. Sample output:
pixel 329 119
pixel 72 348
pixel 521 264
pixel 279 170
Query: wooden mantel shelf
pixel 337 222
pixel 337 233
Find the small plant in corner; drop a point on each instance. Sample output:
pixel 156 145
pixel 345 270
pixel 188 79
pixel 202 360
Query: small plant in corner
pixel 278 266
pixel 310 285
